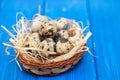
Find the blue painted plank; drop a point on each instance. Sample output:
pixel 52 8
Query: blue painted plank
pixel 8 11
pixel 74 9
pixel 105 19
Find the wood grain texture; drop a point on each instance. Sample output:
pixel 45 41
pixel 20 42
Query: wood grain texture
pixel 105 19
pixel 8 9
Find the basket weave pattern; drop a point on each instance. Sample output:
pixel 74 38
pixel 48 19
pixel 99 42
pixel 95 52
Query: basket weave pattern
pixel 52 68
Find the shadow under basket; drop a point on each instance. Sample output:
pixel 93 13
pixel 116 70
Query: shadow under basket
pixel 49 68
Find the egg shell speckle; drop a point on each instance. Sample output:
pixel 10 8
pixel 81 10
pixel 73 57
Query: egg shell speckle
pixel 47 45
pixel 63 46
pixel 37 22
pixel 48 30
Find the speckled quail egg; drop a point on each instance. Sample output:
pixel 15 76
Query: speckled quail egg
pixel 61 34
pixel 74 36
pixel 72 32
pixel 63 23
pixel 63 46
pixel 31 44
pixel 34 36
pixel 33 41
pixel 37 22
pixel 47 30
pixel 47 45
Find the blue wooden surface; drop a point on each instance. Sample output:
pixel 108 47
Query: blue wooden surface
pixel 104 17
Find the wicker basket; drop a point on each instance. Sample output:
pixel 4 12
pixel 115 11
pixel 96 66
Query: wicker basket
pixel 47 68
pixel 32 64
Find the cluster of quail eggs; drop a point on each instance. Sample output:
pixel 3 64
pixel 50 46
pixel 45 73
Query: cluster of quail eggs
pixel 50 36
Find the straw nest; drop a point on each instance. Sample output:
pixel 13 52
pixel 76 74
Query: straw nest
pixel 47 47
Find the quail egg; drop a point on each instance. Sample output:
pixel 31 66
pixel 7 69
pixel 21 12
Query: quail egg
pixel 63 46
pixel 63 23
pixel 47 30
pixel 71 32
pixel 33 41
pixel 47 45
pixel 35 37
pixel 74 36
pixel 37 22
pixel 31 44
pixel 61 34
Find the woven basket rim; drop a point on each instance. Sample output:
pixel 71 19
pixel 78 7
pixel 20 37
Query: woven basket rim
pixel 49 64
